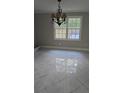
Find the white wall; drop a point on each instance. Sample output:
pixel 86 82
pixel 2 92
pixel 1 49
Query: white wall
pixel 44 32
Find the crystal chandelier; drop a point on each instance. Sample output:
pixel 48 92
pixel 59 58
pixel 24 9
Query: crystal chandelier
pixel 59 17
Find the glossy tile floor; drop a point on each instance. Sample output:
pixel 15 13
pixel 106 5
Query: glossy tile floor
pixel 61 71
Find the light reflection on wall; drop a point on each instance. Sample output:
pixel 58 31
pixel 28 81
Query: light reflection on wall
pixel 66 65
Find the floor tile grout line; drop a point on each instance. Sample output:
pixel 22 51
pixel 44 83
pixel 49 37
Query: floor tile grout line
pixel 83 84
pixel 75 89
pixel 54 83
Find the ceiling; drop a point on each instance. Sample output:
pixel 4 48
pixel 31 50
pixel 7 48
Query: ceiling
pixel 48 6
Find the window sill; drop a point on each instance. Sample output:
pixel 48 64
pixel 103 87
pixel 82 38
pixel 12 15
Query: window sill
pixel 66 40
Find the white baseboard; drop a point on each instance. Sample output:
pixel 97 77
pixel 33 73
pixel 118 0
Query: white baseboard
pixel 68 48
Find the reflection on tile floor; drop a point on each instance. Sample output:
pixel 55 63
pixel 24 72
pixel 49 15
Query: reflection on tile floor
pixel 66 65
pixel 61 71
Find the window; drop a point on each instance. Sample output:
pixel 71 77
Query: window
pixel 70 30
pixel 60 31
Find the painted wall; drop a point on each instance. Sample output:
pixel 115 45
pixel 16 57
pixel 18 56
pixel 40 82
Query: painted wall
pixel 44 32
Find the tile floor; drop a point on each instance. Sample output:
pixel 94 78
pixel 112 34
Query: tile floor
pixel 61 71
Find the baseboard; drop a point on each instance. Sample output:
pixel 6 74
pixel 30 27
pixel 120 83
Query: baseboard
pixel 68 48
pixel 36 49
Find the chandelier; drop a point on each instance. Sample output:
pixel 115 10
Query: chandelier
pixel 59 17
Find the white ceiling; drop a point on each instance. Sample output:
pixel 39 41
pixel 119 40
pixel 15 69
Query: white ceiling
pixel 48 6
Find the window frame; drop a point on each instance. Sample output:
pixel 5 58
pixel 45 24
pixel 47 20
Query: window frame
pixel 66 39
